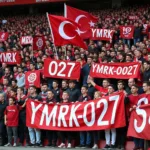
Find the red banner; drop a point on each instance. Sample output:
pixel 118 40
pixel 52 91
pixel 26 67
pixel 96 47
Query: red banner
pixel 10 58
pixel 116 70
pixel 140 122
pixel 100 114
pixel 25 40
pixel 101 34
pixel 126 32
pixel 32 78
pixel 61 69
pixel 133 17
pixel 23 2
pixel 39 43
pixel 3 36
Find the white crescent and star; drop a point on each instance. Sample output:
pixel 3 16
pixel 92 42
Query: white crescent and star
pixel 62 32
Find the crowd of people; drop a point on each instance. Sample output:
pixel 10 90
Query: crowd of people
pixel 13 94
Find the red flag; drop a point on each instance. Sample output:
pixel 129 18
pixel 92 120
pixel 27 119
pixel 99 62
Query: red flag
pixel 126 32
pixel 3 36
pixel 32 78
pixel 83 18
pixel 65 31
pixel 38 43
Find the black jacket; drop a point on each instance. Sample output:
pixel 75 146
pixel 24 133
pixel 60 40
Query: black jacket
pixel 73 94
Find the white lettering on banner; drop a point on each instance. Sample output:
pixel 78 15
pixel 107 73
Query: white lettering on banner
pixel 59 68
pixel 110 70
pixel 34 110
pixel 142 113
pixel 103 33
pixel 49 116
pixel 8 57
pixel 27 40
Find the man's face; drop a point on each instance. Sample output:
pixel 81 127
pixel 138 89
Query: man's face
pixel 50 95
pixel 146 66
pixel 110 90
pixel 5 82
pixel 19 70
pixel 32 90
pixel 64 84
pixel 105 83
pixel 71 85
pixel 89 60
pixel 134 90
pixel 44 88
pixel 55 85
pixel 31 66
pixel 12 93
pixel 120 86
pixel 1 97
pixel 7 71
pixel 145 87
pixel 65 96
pixel 13 83
pixel 83 90
pixel 130 82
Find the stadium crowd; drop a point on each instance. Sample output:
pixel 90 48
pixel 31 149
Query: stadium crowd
pixel 13 94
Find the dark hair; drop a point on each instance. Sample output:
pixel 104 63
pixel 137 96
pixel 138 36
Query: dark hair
pixel 66 92
pixel 72 81
pixel 14 80
pixel 146 82
pixel 14 90
pixel 12 99
pixel 107 80
pixel 21 88
pixel 121 81
pixel 112 86
pixel 32 86
pixel 135 86
pixel 65 81
pixel 84 86
pixel 55 81
pixel 50 91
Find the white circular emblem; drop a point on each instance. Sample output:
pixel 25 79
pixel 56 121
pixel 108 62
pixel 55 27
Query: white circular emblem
pixel 32 77
pixel 39 42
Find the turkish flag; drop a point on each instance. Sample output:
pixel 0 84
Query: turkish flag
pixel 83 18
pixel 65 31
pixel 3 36
pixel 32 78
pixel 39 43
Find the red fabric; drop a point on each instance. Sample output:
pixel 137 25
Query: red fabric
pixel 133 100
pixel 133 17
pixel 140 123
pixel 32 78
pixel 61 69
pixel 10 58
pixel 82 18
pixel 22 2
pixel 101 34
pixel 116 70
pixel 3 36
pixel 12 115
pixel 81 116
pixel 64 31
pixel 25 40
pixel 39 43
pixel 104 91
pixel 126 32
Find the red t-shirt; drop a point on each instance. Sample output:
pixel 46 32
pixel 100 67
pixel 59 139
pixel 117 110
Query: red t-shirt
pixel 12 115
pixel 101 89
pixel 133 100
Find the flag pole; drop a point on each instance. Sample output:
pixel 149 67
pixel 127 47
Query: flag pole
pixel 52 35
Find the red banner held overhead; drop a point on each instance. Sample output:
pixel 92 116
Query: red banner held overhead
pixel 3 36
pixel 126 32
pixel 10 58
pixel 39 43
pixel 101 34
pixel 32 78
pixel 100 114
pixel 140 123
pixel 116 70
pixel 23 2
pixel 61 69
pixel 25 40
pixel 133 17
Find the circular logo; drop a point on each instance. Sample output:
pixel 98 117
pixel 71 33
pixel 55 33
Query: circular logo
pixel 126 30
pixel 32 77
pixel 39 42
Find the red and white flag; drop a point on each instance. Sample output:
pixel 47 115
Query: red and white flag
pixel 126 32
pixel 25 40
pixel 3 36
pixel 32 78
pixel 83 18
pixel 65 31
pixel 39 43
pixel 133 17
